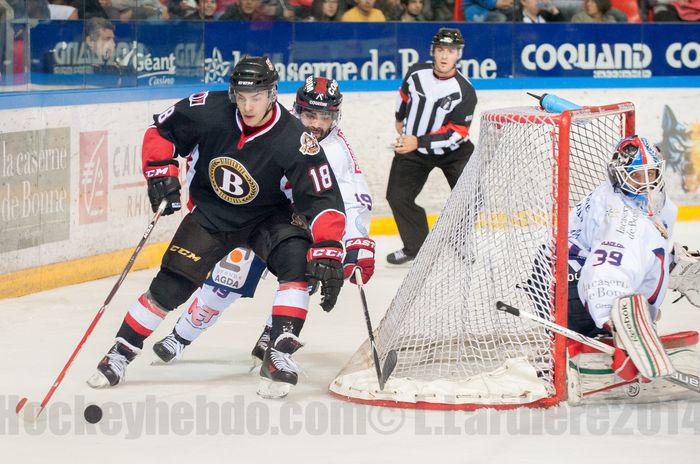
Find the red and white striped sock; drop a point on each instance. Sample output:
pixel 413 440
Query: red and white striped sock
pixel 289 308
pixel 143 318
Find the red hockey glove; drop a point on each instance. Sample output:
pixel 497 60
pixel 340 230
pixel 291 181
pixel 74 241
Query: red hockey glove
pixel 623 365
pixel 324 266
pixel 163 183
pixel 359 252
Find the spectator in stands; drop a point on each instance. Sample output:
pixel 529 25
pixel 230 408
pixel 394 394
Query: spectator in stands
pixel 181 8
pixel 413 11
pixel 244 10
pixel 204 12
pixel 90 9
pixel 682 10
pixel 327 10
pixel 60 11
pixel 438 10
pixel 99 38
pixel 392 9
pixel 538 11
pixel 137 9
pixel 104 69
pixel 489 11
pixel 32 9
pixel 252 10
pixel 277 9
pixel 363 12
pixel 594 11
pixel 301 9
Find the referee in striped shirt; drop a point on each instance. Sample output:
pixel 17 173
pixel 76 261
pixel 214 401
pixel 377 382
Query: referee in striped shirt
pixel 434 111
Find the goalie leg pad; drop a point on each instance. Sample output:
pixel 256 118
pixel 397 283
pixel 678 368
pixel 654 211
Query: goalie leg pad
pixel 635 333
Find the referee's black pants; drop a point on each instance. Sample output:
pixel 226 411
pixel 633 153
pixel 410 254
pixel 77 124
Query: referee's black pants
pixel 407 177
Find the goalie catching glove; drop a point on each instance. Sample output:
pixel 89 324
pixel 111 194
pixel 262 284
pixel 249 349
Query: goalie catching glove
pixel 359 253
pixel 684 276
pixel 163 183
pixel 324 266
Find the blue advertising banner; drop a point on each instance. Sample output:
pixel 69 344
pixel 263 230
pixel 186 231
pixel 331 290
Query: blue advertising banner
pixel 189 52
pixel 625 50
pixel 65 54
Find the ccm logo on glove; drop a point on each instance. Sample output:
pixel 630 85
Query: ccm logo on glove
pixel 316 253
pixel 157 172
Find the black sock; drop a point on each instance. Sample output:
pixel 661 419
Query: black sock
pixel 285 324
pixel 131 336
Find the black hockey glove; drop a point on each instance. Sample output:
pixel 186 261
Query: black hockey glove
pixel 164 186
pixel 325 266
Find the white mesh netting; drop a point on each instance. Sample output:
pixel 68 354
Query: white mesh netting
pixel 453 346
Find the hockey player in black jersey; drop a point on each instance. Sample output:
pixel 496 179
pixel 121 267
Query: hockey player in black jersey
pixel 240 145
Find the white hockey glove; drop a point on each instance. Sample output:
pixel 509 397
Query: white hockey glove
pixel 685 274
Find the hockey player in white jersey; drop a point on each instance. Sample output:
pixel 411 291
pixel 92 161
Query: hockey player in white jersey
pixel 317 104
pixel 620 257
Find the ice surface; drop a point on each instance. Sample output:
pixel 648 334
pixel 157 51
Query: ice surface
pixel 38 333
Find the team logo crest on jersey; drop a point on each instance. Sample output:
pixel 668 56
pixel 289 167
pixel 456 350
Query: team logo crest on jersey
pixel 309 144
pixel 231 181
pixel 198 99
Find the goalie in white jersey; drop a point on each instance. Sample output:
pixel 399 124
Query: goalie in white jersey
pixel 621 259
pixel 317 104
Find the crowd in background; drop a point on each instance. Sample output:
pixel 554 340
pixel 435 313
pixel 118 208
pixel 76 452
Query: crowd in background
pixel 527 11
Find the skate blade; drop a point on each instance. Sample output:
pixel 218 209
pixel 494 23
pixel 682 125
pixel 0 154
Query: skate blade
pixel 273 390
pixel 160 359
pixel 160 362
pixel 98 380
pixel 256 363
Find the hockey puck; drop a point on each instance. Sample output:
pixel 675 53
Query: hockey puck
pixel 93 414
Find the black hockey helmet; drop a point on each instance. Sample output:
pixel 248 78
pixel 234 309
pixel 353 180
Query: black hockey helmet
pixel 253 73
pixel 318 93
pixel 322 96
pixel 447 37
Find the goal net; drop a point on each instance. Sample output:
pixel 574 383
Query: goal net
pixel 502 235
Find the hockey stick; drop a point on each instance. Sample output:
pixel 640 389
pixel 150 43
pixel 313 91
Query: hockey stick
pixel 97 317
pixel 689 381
pixel 391 358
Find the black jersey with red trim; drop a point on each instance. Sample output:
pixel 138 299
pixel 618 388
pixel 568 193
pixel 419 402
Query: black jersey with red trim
pixel 234 179
pixel 437 110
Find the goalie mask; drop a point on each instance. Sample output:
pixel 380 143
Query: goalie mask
pixel 318 103
pixel 637 169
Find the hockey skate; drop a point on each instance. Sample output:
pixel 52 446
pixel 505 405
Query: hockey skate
pixel 260 347
pixel 279 373
pixel 111 370
pixel 170 348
